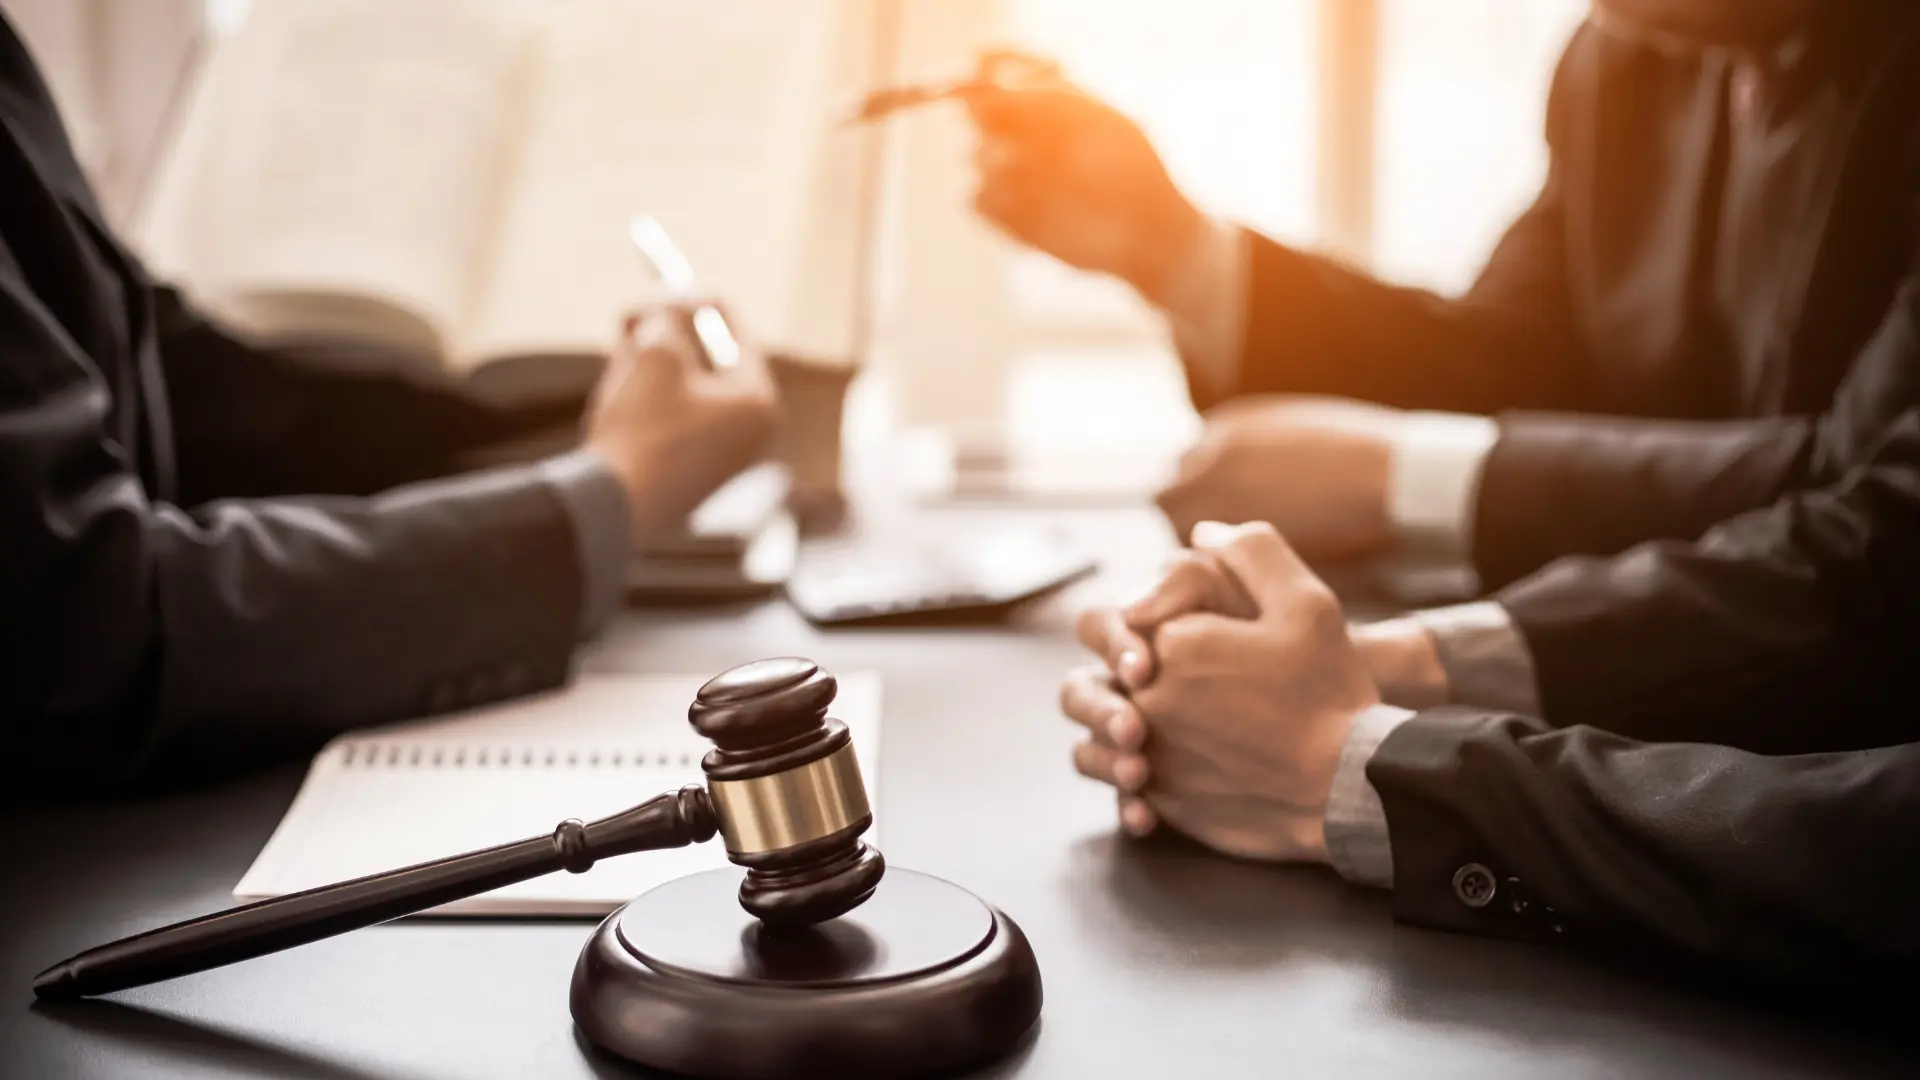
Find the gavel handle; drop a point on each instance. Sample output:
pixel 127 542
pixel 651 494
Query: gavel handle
pixel 664 821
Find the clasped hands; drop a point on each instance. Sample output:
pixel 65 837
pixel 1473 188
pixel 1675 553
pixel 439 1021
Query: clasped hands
pixel 1223 698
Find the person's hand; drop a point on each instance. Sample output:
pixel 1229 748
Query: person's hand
pixel 1400 654
pixel 1236 738
pixel 1316 468
pixel 1122 636
pixel 1405 662
pixel 1066 173
pixel 670 430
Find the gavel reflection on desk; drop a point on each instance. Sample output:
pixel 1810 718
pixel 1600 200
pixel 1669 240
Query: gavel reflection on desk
pixel 821 967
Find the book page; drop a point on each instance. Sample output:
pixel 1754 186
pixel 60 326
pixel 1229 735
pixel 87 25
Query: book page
pixel 341 165
pixel 716 118
pixel 392 797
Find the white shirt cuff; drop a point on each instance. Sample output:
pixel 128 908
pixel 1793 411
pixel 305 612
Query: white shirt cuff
pixel 1434 477
pixel 1206 304
pixel 1358 844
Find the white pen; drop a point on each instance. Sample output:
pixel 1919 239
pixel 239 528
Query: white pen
pixel 669 264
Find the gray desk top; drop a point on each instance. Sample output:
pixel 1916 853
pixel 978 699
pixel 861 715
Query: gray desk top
pixel 1158 959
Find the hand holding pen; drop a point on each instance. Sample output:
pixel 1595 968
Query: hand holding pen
pixel 995 70
pixel 1066 173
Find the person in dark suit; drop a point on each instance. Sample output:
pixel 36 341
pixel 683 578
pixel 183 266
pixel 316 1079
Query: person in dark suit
pixel 203 545
pixel 1256 728
pixel 1710 306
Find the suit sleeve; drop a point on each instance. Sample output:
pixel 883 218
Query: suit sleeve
pixel 1314 326
pixel 1770 633
pixel 134 631
pixel 1721 582
pixel 358 427
pixel 1560 484
pixel 1797 870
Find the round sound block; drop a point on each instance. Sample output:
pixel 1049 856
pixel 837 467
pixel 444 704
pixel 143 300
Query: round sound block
pixel 922 978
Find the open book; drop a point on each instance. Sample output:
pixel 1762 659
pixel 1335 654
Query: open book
pixel 450 180
pixel 392 797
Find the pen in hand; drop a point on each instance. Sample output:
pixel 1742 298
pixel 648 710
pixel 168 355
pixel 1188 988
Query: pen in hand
pixel 996 70
pixel 667 263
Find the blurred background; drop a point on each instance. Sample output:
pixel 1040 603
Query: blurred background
pixel 1398 134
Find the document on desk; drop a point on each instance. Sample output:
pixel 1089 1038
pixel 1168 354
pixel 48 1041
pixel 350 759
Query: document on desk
pixel 390 797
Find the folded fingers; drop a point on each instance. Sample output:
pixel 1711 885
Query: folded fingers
pixel 1105 633
pixel 1089 698
pixel 1136 817
pixel 1125 772
pixel 1192 581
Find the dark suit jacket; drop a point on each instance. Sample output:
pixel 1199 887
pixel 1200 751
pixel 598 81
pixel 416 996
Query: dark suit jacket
pixel 1698 316
pixel 144 611
pixel 1801 869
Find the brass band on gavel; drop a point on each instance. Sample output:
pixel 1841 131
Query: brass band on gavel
pixel 778 811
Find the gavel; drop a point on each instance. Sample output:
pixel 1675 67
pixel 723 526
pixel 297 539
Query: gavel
pixel 783 791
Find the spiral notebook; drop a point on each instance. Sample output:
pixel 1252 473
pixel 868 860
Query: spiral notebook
pixel 389 797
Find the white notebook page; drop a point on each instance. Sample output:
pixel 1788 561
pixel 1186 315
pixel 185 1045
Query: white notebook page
pixel 390 797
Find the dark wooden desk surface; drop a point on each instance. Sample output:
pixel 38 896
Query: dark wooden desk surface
pixel 1159 959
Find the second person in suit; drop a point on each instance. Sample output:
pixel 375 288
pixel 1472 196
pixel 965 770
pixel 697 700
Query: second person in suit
pixel 1710 305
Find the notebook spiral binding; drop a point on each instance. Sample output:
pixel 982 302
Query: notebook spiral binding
pixel 389 755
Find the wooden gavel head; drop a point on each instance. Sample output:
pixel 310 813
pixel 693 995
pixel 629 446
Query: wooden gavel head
pixel 786 791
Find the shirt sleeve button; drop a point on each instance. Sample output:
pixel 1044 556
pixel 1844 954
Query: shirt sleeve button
pixel 1474 885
